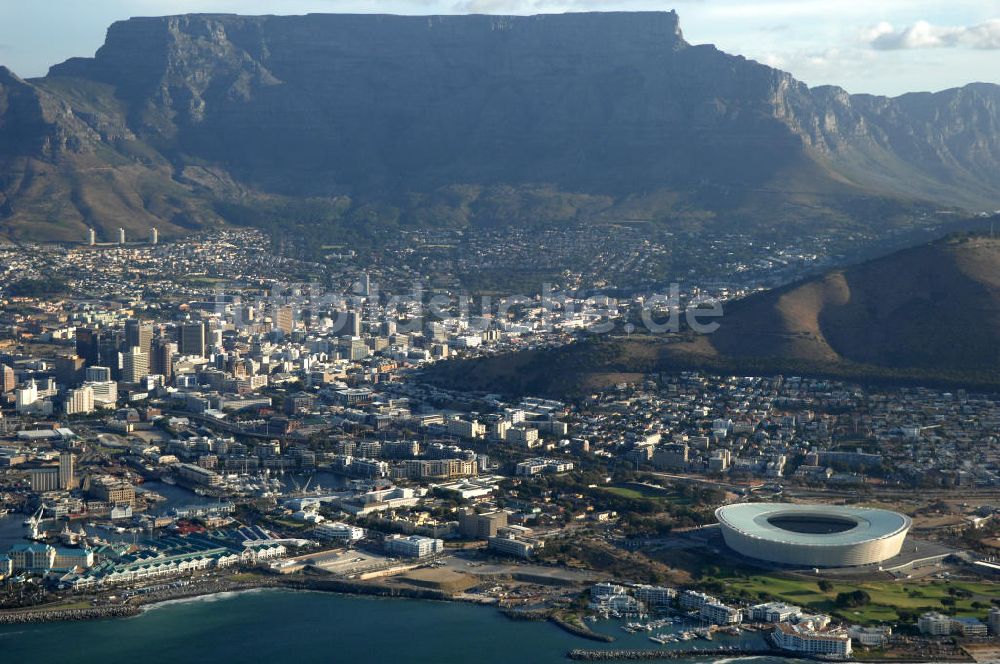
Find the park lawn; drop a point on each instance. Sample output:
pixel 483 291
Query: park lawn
pixel 635 491
pixel 886 596
pixel 204 279
pixel 624 492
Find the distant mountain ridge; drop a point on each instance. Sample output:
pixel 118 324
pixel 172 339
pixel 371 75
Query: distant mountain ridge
pixel 438 116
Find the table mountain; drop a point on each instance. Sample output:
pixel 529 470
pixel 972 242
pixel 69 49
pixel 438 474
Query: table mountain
pixel 178 119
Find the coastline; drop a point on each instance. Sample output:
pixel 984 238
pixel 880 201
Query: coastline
pixel 138 604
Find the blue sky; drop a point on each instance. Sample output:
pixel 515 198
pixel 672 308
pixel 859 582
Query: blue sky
pixel 874 46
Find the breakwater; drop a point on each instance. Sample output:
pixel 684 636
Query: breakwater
pixel 651 655
pixel 93 613
pixel 579 629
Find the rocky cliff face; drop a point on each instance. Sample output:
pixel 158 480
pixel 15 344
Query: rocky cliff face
pixel 615 104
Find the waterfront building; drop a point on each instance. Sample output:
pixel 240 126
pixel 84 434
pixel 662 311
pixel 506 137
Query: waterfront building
pixel 692 599
pixel 796 638
pixel 198 475
pixel 112 490
pixel 993 621
pixel 600 591
pixel 721 614
pixel 774 612
pixel 871 637
pixel 336 530
pixel 934 624
pixel 512 546
pixel 413 546
pixel 654 596
pixel 33 557
pixel 968 627
pixel 481 526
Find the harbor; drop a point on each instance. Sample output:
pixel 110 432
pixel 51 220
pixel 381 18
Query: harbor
pixel 431 632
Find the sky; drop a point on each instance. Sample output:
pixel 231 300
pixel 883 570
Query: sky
pixel 873 46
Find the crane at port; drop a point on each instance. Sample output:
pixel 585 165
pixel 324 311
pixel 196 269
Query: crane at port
pixel 33 522
pixel 304 489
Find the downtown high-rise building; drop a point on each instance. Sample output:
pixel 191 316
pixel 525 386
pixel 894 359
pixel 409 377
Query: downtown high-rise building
pixel 97 374
pixel 161 358
pixel 88 345
pixel 138 335
pixel 8 381
pixel 284 319
pixel 79 401
pixel 191 339
pixel 352 324
pixel 135 365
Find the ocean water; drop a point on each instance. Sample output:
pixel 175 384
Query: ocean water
pixel 301 627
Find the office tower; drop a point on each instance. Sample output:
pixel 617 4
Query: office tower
pixel 105 392
pixel 8 381
pixel 109 352
pixel 352 324
pixel 26 397
pixel 138 335
pixel 91 237
pixel 88 345
pixel 67 475
pixel 366 284
pixel 437 331
pixel 69 370
pixel 135 365
pixel 284 319
pixel 161 360
pixel 353 348
pixel 154 236
pixel 191 339
pixel 214 339
pixel 121 236
pixel 97 374
pixel 79 401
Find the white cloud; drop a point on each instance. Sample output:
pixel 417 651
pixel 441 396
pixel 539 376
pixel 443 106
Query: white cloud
pixel 923 34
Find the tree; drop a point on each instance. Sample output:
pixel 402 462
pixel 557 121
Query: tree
pixel 853 599
pixel 825 585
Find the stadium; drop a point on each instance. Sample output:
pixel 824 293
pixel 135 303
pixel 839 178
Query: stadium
pixel 813 535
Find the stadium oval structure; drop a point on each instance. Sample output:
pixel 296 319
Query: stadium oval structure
pixel 813 535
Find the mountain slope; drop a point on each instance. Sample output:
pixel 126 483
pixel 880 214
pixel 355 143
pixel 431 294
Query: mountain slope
pixel 933 307
pixel 176 114
pixel 930 314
